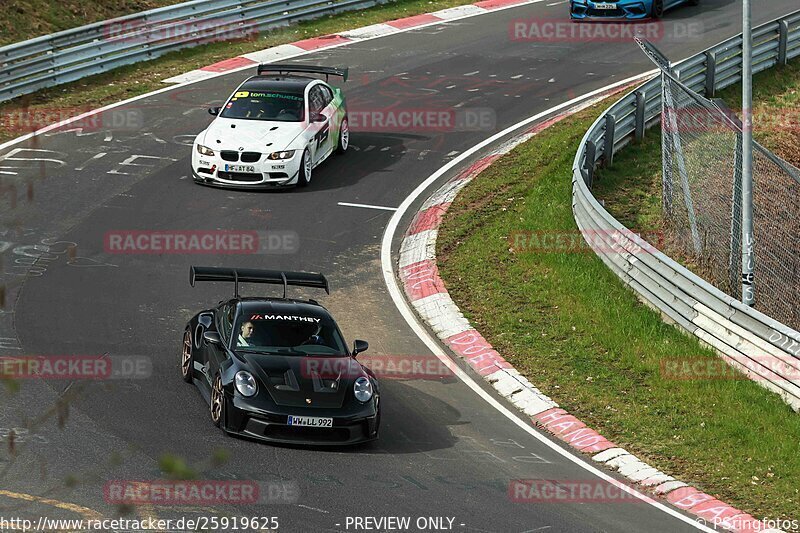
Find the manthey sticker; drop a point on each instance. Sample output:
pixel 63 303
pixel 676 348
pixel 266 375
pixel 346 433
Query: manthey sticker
pixel 291 318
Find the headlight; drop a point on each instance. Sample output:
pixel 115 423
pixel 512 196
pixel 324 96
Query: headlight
pixel 205 150
pixel 363 389
pixel 245 383
pixel 287 154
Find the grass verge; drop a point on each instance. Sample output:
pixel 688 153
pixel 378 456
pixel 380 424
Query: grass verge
pixel 127 82
pixel 568 323
pixel 21 20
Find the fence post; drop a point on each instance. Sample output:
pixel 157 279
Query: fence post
pixel 711 74
pixel 591 154
pixel 783 43
pixel 608 147
pixel 735 259
pixel 641 102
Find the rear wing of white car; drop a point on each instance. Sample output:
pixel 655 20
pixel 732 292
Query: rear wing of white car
pixel 286 68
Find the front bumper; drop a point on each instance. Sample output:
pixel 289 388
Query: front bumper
pixel 588 10
pixel 261 174
pixel 247 420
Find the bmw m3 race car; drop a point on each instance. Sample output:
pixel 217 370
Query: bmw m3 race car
pixel 273 130
pixel 278 369
pixel 623 9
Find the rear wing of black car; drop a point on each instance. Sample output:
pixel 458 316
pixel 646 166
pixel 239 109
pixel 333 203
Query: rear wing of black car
pixel 291 68
pixel 248 275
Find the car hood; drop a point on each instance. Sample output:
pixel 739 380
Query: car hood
pixel 251 135
pixel 293 380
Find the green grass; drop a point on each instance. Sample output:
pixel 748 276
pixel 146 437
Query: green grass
pixel 21 20
pixel 571 326
pixel 632 187
pixel 133 80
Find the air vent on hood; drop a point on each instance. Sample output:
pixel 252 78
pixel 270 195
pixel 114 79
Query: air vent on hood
pixel 286 382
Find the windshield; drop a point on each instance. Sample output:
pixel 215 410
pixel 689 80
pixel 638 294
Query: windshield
pixel 289 335
pixel 275 106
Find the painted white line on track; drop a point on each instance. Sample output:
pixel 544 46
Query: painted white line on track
pixel 410 317
pixel 367 206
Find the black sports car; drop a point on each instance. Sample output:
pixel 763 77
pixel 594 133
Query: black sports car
pixel 278 369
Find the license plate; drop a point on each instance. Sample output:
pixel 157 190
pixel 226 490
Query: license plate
pixel 605 6
pixel 240 168
pixel 310 421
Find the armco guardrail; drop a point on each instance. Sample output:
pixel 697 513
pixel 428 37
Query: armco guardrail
pixel 762 348
pixel 74 54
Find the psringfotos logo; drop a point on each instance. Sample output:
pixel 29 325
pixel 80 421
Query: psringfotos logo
pixel 224 242
pixel 199 492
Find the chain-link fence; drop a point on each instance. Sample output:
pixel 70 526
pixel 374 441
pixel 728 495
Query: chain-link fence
pixel 702 197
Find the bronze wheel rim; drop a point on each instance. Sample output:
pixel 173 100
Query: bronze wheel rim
pixel 186 357
pixel 216 400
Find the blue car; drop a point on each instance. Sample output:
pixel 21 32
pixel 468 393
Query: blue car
pixel 623 9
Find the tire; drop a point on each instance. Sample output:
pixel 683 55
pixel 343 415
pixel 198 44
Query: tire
pixel 693 2
pixel 344 137
pixel 217 406
pixel 304 174
pixel 187 360
pixel 658 9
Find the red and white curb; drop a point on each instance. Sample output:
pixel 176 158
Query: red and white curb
pixel 286 51
pixel 425 290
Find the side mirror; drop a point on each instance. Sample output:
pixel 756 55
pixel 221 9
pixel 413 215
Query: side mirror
pixel 212 337
pixel 213 111
pixel 359 346
pixel 318 117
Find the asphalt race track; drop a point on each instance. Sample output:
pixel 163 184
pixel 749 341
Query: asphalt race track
pixel 443 451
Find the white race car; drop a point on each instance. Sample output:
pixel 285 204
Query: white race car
pixel 274 129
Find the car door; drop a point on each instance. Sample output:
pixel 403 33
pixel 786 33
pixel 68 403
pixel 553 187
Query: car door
pixel 218 354
pixel 321 141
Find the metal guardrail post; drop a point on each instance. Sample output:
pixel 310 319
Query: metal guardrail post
pixel 711 74
pixel 698 307
pixel 591 157
pixel 608 147
pixel 735 259
pixel 783 43
pixel 641 104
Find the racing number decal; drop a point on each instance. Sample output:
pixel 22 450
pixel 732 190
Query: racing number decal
pixel 322 135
